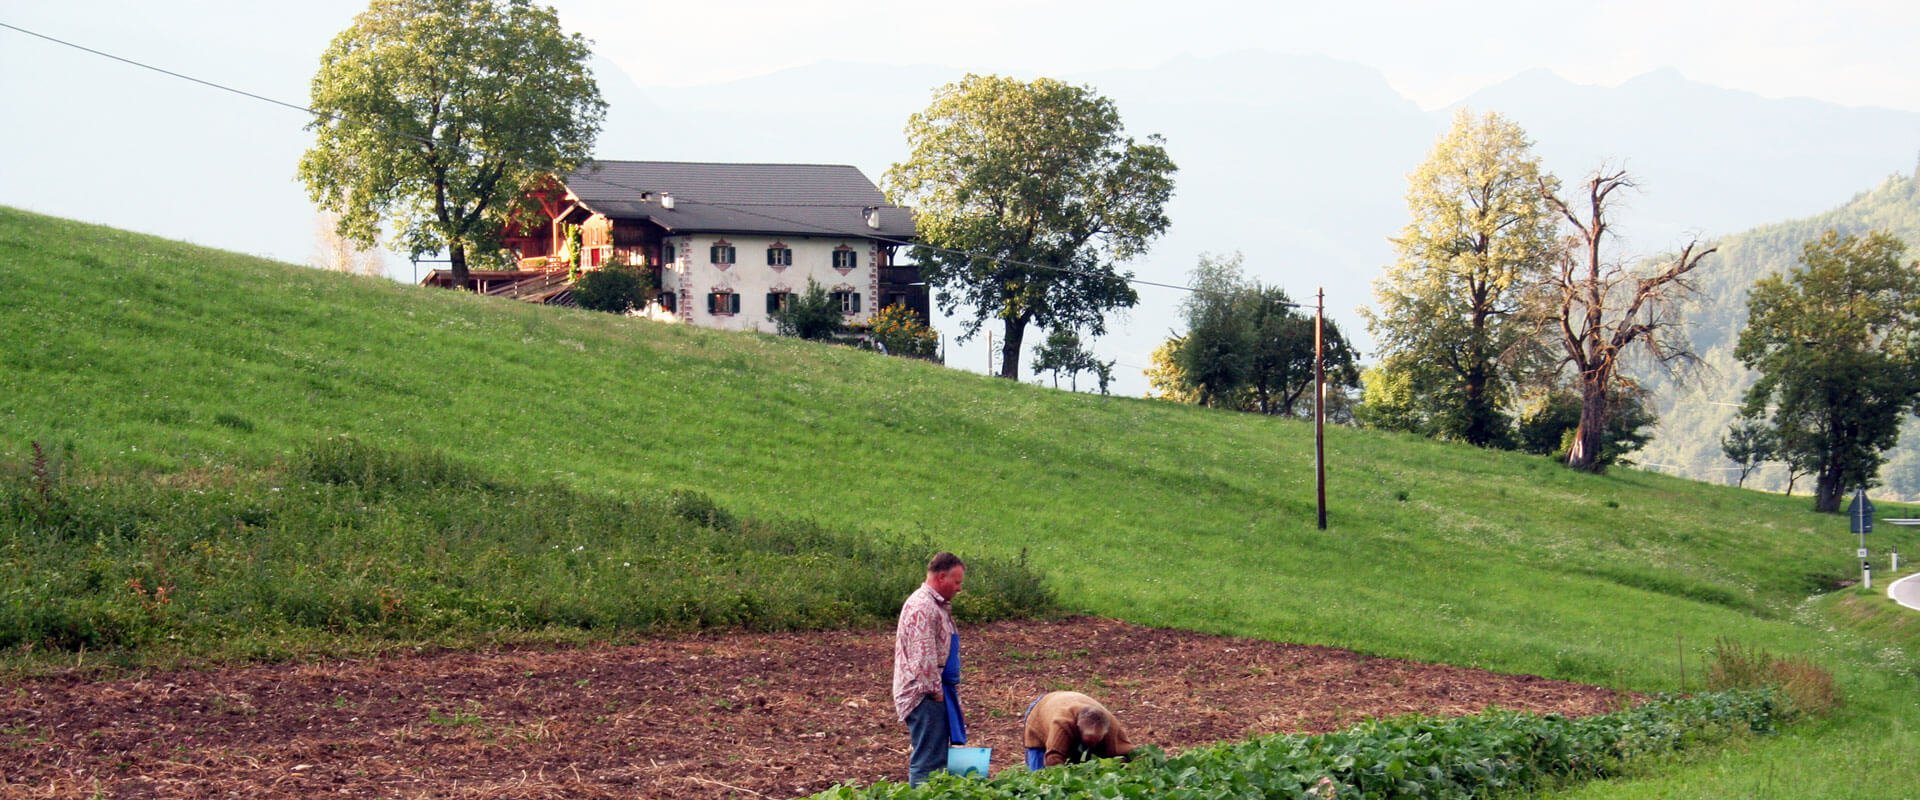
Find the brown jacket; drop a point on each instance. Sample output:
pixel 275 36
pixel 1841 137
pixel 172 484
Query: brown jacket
pixel 1051 726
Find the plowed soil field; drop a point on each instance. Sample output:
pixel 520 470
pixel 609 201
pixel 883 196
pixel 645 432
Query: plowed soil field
pixel 733 715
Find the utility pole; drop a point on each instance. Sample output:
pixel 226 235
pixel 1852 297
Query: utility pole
pixel 1320 403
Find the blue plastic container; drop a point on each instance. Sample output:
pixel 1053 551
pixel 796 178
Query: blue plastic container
pixel 969 762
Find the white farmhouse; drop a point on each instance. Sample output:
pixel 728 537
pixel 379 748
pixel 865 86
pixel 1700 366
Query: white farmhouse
pixel 727 244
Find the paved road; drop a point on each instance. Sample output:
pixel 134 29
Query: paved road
pixel 1906 591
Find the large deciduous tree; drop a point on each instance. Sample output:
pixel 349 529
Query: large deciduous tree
pixel 1250 347
pixel 435 116
pixel 1216 355
pixel 1029 196
pixel 1453 308
pixel 1601 310
pixel 1837 344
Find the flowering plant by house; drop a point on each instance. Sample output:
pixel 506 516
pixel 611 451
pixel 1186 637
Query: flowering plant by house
pixel 903 333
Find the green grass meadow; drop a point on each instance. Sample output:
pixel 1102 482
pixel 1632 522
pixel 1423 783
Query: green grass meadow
pixel 150 370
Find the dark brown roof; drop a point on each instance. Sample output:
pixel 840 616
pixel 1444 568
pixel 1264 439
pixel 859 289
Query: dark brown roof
pixel 791 199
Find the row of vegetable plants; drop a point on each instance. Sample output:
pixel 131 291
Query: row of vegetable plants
pixel 1494 754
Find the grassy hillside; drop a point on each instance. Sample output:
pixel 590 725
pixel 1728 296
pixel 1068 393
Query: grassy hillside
pixel 124 353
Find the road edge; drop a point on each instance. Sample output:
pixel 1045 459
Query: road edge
pixel 1891 594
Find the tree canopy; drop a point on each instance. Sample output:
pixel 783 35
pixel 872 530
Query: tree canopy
pixel 435 116
pixel 1452 311
pixel 1837 345
pixel 1248 346
pixel 1062 351
pixel 1029 195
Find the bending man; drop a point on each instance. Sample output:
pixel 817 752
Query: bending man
pixel 1065 727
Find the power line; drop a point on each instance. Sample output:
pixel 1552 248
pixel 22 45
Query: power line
pixel 209 84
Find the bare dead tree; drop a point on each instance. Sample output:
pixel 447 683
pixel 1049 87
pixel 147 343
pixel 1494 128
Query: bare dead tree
pixel 1604 308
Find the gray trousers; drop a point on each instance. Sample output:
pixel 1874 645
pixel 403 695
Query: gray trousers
pixel 927 724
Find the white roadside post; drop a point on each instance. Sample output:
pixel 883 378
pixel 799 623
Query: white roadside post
pixel 1905 523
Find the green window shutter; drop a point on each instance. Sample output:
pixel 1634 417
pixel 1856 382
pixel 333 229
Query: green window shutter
pixel 773 302
pixel 733 302
pixel 713 301
pixel 856 302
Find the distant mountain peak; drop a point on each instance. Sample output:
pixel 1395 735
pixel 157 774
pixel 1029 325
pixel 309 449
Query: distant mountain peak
pixel 1661 75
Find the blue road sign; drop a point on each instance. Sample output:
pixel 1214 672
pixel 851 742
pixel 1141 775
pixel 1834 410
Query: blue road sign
pixel 1860 513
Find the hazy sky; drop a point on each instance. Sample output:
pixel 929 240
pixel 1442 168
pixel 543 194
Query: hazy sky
pixel 1845 51
pixel 1852 52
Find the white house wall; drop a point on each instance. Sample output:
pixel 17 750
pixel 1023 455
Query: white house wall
pixel 692 275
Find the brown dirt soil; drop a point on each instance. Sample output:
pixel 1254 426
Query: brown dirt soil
pixel 740 715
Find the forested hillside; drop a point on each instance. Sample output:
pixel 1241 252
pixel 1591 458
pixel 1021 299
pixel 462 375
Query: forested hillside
pixel 1694 413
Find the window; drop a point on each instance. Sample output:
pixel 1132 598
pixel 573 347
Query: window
pixel 723 303
pixel 666 253
pixel 668 301
pixel 845 259
pixel 778 256
pixel 849 302
pixel 779 301
pixel 721 253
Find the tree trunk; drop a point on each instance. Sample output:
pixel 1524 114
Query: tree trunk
pixel 457 259
pixel 1826 490
pixel 1590 434
pixel 1479 429
pixel 1010 349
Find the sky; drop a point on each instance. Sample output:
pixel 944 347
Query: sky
pixel 1842 51
pixel 1846 51
pixel 1851 52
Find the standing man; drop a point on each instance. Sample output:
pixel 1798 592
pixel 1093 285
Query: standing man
pixel 924 642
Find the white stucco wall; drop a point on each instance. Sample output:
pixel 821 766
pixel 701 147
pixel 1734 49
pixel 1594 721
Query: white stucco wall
pixel 692 275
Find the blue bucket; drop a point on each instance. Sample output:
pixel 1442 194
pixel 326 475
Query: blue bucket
pixel 969 762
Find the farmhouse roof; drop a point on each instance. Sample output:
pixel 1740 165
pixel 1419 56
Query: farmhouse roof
pixel 790 199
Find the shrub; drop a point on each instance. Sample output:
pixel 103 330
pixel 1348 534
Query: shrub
pixel 696 507
pixel 812 314
pixel 903 334
pixel 1547 426
pixel 1804 687
pixel 615 290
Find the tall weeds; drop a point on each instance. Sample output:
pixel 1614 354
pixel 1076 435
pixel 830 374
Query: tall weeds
pixel 350 545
